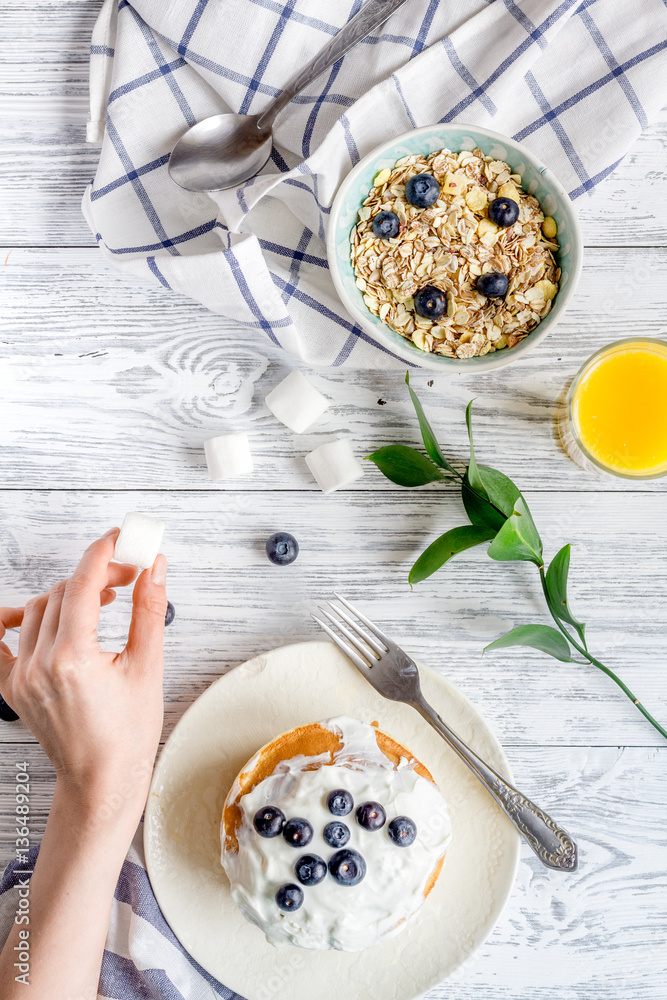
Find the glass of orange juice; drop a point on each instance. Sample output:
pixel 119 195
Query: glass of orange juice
pixel 617 408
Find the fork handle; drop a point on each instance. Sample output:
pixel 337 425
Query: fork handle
pixel 553 846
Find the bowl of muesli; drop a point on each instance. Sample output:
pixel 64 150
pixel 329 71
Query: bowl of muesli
pixel 454 248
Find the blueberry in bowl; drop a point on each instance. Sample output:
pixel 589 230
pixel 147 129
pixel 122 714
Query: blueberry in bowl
pixel 422 190
pixel 430 302
pixel 493 285
pixel 504 212
pixel 386 225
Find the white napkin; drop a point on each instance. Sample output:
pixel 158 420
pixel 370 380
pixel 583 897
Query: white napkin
pixel 575 81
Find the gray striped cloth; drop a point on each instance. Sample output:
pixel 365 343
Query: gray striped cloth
pixel 142 959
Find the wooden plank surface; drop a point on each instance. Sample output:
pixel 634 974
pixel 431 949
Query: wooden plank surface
pixel 109 387
pixel 108 382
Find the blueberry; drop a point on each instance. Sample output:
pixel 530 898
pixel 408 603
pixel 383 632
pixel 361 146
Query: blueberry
pixel 298 832
pixel 269 821
pixel 171 613
pixel 402 831
pixel 310 869
pixel 422 190
pixel 371 816
pixel 347 867
pixel 493 284
pixel 504 212
pixel 282 548
pixel 386 225
pixel 7 714
pixel 430 302
pixel 340 802
pixel 289 897
pixel 336 834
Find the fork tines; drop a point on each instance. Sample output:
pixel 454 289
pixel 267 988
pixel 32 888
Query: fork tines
pixel 362 648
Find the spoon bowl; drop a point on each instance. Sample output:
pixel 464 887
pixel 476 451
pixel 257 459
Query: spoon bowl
pixel 220 152
pixel 226 150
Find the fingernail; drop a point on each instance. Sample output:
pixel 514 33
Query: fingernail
pixel 159 571
pixel 111 531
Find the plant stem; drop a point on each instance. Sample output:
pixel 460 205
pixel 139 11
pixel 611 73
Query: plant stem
pixel 596 663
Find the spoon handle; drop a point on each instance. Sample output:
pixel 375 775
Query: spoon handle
pixel 371 15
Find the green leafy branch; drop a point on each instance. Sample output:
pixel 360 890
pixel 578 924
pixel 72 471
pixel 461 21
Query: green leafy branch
pixel 498 514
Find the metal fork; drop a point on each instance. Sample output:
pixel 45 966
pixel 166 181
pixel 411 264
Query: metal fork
pixel 396 676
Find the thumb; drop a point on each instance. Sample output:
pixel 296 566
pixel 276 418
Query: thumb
pixel 149 606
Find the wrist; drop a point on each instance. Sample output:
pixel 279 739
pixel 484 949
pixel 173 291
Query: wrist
pixel 103 804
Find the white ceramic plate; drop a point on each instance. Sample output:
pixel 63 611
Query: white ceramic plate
pixel 248 707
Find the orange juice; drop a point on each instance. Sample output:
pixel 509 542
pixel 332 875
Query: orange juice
pixel 618 408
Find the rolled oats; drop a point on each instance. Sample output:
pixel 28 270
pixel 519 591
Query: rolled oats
pixel 450 244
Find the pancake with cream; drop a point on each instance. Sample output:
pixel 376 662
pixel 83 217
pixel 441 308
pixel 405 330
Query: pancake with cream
pixel 333 835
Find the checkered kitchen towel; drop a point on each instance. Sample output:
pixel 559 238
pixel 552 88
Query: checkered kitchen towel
pixel 575 80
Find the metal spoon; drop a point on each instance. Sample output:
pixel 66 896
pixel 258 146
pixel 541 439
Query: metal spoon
pixel 226 150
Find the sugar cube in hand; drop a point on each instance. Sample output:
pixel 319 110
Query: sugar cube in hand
pixel 139 541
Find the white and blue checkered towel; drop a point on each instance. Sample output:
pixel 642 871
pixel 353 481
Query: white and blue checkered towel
pixel 575 80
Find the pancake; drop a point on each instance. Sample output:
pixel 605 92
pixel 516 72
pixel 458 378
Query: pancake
pixel 291 778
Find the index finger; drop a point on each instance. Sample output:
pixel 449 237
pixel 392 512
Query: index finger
pixel 10 618
pixel 80 610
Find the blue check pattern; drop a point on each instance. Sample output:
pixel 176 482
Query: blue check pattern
pixel 575 80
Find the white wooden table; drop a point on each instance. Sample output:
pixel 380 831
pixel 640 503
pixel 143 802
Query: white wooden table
pixel 107 390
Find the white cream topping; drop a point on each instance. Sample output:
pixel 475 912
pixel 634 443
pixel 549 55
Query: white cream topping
pixel 347 918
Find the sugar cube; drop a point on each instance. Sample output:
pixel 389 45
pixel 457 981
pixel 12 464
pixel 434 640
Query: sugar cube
pixel 139 541
pixel 334 465
pixel 228 456
pixel 296 403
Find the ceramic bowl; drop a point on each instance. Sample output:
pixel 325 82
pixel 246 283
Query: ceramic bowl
pixel 537 180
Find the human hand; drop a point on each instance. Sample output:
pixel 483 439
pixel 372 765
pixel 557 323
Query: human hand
pixel 97 715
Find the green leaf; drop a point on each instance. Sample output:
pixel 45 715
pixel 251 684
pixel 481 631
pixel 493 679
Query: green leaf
pixel 557 589
pixel 448 545
pixel 518 539
pixel 428 437
pixel 406 466
pixel 502 495
pixel 541 637
pixel 479 510
pixel 501 491
pixel 474 478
